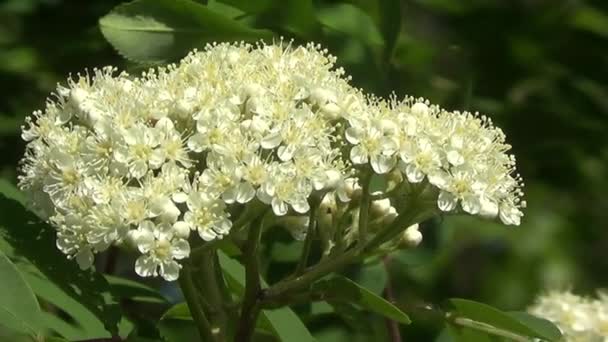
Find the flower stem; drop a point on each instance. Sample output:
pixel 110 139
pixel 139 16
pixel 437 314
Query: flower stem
pixel 209 285
pixel 410 216
pixel 250 308
pixel 191 296
pixel 364 208
pixel 312 220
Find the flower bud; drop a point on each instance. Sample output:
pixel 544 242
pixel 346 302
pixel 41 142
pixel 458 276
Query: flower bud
pixel 411 236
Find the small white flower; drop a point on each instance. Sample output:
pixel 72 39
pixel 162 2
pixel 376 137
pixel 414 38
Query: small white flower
pixel 370 144
pixel 160 248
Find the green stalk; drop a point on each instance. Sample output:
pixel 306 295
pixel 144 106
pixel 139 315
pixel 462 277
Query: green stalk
pixel 209 288
pixel 191 296
pixel 250 308
pixel 364 209
pixel 312 220
pixel 410 216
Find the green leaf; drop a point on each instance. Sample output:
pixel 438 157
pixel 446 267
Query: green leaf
pixel 155 31
pixel 26 237
pixel 489 315
pixel 10 126
pixel 542 327
pixel 592 20
pixel 174 330
pixel 372 276
pixel 343 289
pixel 178 311
pixel 284 323
pixel 63 328
pixel 19 309
pixel 351 21
pixel 390 23
pixel 128 289
pixel 9 190
pixel 84 325
pixel 251 7
pixel 177 325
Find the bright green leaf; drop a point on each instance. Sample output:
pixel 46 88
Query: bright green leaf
pixel 63 328
pixel 156 31
pixel 343 289
pixel 178 311
pixel 19 309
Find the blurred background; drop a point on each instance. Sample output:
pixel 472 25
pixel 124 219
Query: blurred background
pixel 538 68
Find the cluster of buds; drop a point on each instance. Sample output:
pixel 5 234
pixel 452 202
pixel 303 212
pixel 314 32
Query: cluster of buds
pixel 185 148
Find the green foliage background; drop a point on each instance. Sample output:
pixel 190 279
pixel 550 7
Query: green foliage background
pixel 538 68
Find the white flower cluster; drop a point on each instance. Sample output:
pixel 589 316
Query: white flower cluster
pixel 183 148
pixel 579 318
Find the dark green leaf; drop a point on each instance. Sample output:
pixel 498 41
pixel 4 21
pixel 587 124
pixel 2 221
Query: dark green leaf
pixel 390 23
pixel 542 327
pixel 128 289
pixel 489 315
pixel 343 289
pixel 177 325
pixel 173 330
pixel 85 324
pixel 19 309
pixel 9 190
pixel 30 238
pixel 285 324
pixel 156 31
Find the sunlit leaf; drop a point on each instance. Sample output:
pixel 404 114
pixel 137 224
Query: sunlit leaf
pixel 156 31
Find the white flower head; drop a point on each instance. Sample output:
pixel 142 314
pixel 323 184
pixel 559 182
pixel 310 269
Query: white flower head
pixel 185 147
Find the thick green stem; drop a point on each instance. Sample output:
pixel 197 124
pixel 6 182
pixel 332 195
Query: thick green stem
pixel 250 308
pixel 196 309
pixel 209 285
pixel 310 233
